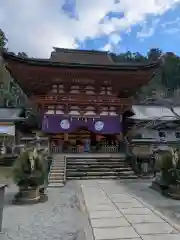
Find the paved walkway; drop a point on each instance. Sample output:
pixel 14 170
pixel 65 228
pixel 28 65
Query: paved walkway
pixel 116 214
pixel 60 218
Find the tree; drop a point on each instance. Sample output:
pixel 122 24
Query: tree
pixel 170 103
pixel 12 53
pixel 3 39
pixel 6 98
pixel 129 56
pixel 154 54
pixel 22 54
pixel 171 71
pixel 168 76
pixel 138 57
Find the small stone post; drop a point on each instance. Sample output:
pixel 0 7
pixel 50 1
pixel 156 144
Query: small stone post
pixel 2 192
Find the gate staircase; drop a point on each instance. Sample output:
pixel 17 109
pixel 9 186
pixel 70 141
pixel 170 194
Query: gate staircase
pixel 57 174
pixel 98 167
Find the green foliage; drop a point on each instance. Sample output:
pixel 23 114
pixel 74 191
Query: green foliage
pixel 26 177
pixel 167 177
pixel 129 57
pixel 168 77
pixel 3 39
pixel 22 54
pixel 154 54
pixel 166 163
pixel 171 72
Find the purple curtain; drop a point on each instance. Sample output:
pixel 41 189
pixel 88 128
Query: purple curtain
pixel 102 125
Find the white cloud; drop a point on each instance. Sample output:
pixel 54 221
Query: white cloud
pixel 171 23
pixel 114 38
pixel 108 48
pixel 147 31
pixel 172 31
pixel 171 27
pixel 35 26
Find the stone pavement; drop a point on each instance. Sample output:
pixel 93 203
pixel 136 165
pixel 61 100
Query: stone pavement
pixel 141 188
pixel 60 218
pixel 115 213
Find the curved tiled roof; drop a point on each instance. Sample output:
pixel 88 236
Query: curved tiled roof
pixel 81 58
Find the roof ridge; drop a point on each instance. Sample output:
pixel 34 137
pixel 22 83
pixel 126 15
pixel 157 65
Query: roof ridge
pixel 49 62
pixel 81 51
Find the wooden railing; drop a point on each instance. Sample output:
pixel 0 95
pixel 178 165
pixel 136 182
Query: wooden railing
pixel 65 162
pixel 81 99
pixel 103 149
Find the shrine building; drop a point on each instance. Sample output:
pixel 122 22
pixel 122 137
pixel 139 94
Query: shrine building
pixel 82 96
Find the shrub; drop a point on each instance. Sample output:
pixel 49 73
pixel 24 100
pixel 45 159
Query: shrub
pixel 24 175
pixel 167 175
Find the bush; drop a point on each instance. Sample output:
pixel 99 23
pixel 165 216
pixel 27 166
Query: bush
pixel 167 175
pixel 24 175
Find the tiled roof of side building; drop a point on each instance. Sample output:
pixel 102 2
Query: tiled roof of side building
pixel 9 114
pixel 154 112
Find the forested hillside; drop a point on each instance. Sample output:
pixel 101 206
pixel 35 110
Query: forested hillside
pixel 167 80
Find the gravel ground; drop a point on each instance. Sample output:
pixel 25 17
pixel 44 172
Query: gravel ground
pixel 59 218
pixel 168 207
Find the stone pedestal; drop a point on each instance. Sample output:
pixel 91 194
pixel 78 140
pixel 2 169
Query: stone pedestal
pixel 2 191
pixel 159 186
pixel 174 192
pixel 27 196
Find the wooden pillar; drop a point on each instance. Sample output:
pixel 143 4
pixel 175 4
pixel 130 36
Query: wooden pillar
pixel 66 136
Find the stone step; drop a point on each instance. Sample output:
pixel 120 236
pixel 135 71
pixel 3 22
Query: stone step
pixel 61 163
pixel 51 185
pixel 54 170
pixel 95 163
pixel 57 170
pixel 58 165
pixel 56 174
pixel 102 177
pixel 58 161
pixel 89 166
pixel 100 169
pixel 95 159
pixel 98 158
pixel 56 181
pixel 112 173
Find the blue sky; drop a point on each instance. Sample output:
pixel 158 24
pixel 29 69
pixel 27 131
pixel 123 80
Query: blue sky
pixel 156 32
pixel 109 25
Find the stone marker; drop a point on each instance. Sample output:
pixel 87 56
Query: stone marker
pixel 2 191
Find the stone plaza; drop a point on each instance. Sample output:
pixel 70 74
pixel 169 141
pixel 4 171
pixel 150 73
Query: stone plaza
pixel 115 213
pixel 90 210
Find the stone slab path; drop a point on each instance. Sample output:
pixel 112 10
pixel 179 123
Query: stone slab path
pixel 115 213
